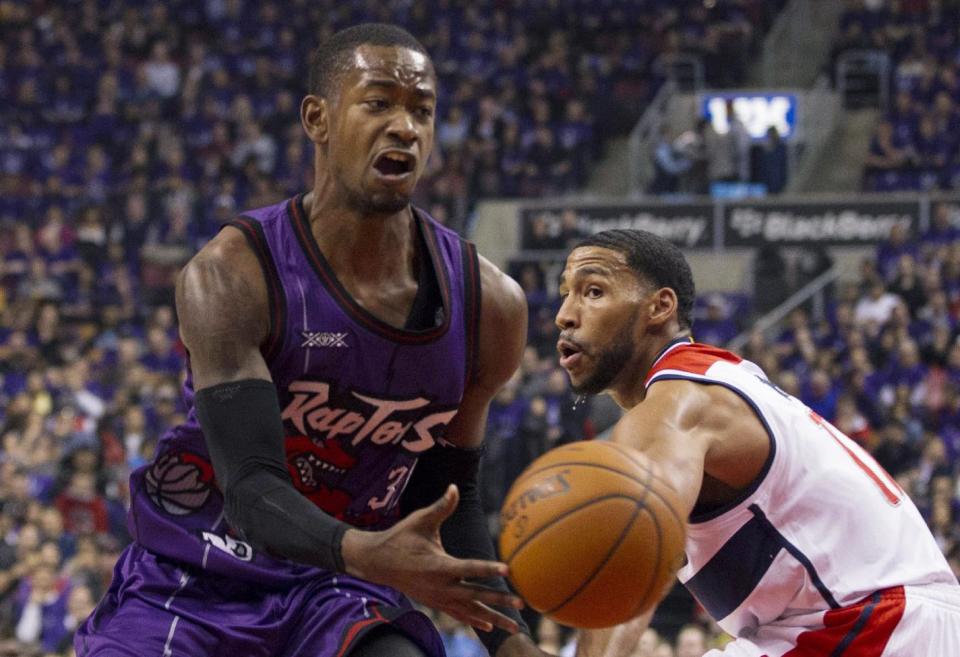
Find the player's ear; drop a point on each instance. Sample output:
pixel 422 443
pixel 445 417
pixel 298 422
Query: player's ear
pixel 662 306
pixel 315 118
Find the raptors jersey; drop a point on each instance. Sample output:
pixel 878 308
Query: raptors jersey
pixel 821 528
pixel 359 398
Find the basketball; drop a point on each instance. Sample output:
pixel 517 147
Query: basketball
pixel 592 534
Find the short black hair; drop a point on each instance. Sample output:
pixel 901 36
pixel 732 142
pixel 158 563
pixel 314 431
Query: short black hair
pixel 334 56
pixel 656 260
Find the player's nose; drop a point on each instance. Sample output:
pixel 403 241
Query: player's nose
pixel 403 128
pixel 567 317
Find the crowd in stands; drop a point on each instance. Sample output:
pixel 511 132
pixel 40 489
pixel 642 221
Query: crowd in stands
pixel 190 108
pixel 916 144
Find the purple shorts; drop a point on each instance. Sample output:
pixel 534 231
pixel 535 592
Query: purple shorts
pixel 154 607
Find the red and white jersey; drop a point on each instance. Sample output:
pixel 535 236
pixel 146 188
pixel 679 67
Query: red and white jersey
pixel 821 528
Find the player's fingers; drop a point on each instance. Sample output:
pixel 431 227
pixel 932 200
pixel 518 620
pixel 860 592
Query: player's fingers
pixel 461 613
pixel 493 617
pixel 492 597
pixel 434 515
pixel 475 568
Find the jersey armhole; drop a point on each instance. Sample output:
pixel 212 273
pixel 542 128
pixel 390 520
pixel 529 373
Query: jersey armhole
pixel 471 296
pixel 746 493
pixel 253 232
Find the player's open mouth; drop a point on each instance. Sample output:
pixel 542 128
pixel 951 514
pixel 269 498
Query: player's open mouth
pixel 395 165
pixel 570 353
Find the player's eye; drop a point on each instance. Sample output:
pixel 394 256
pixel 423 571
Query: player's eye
pixel 377 104
pixel 593 292
pixel 425 112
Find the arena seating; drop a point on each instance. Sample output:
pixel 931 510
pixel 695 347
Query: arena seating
pixel 915 146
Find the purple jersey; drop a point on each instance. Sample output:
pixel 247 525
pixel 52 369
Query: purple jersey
pixel 360 399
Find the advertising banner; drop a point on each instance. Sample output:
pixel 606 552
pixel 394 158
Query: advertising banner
pixel 558 228
pixel 834 223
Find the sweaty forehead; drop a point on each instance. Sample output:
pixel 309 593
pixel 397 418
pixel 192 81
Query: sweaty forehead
pixel 403 65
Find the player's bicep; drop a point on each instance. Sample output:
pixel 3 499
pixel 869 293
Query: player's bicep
pixel 222 306
pixel 669 428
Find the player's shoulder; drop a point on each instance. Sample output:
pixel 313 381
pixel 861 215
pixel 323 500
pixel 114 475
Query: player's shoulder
pixel 229 248
pixel 500 294
pixel 225 276
pixel 686 359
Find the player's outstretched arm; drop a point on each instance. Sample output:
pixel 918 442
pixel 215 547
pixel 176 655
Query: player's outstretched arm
pixel 672 426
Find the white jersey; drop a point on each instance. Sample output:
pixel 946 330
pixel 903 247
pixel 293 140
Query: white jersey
pixel 822 527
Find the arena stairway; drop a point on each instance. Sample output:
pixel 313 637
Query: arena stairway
pixel 839 165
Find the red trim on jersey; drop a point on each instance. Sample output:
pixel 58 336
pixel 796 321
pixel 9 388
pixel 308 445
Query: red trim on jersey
pixel 354 630
pixel 691 358
pixel 861 630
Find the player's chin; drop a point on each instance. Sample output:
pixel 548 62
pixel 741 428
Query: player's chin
pixel 578 380
pixel 388 202
pixel 586 383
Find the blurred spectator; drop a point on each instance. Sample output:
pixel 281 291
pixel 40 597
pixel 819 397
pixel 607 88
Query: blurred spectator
pixel 664 649
pixel 733 149
pixel 41 609
pixel 691 641
pixel 84 509
pixel 717 327
pixel 769 163
pixel 669 164
pixel 877 305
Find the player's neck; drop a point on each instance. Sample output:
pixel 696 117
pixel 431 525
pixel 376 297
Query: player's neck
pixel 629 389
pixel 369 247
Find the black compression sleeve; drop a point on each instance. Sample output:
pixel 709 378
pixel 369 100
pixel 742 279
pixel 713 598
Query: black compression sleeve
pixel 244 434
pixel 464 534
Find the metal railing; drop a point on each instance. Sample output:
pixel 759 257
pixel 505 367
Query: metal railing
pixel 814 290
pixel 644 135
pixel 685 69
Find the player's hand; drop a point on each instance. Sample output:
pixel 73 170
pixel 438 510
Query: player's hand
pixel 410 558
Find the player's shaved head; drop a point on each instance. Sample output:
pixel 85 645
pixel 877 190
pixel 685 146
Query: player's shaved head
pixel 334 57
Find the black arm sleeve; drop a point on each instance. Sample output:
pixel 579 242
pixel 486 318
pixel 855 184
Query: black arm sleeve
pixel 464 534
pixel 244 433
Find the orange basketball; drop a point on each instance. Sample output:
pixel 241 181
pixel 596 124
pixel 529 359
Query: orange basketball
pixel 592 534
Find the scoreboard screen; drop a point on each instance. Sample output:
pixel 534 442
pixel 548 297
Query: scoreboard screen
pixel 758 112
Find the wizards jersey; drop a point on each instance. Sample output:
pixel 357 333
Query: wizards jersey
pixel 823 526
pixel 360 399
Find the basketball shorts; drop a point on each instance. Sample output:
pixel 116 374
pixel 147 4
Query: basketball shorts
pixel 912 621
pixel 154 608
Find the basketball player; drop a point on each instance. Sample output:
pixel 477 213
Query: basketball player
pixel 798 544
pixel 343 350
